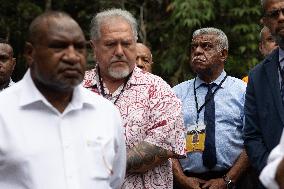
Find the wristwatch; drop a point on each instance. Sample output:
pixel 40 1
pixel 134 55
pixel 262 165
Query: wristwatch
pixel 230 184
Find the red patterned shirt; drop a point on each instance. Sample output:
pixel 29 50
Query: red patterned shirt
pixel 151 112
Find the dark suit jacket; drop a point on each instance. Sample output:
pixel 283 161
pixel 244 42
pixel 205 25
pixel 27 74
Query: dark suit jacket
pixel 264 112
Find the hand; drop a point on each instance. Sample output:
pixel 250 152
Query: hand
pixel 193 183
pixel 218 183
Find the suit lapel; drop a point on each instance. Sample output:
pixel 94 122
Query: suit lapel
pixel 271 68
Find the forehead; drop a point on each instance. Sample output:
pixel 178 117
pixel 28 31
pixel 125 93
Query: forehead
pixel 204 38
pixel 116 28
pixel 62 28
pixel 273 4
pixel 5 49
pixel 141 49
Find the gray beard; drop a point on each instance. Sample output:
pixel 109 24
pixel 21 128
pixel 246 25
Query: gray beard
pixel 119 75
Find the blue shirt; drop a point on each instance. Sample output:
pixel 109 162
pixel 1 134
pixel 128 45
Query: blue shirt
pixel 229 114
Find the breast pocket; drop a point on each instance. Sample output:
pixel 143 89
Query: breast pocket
pixel 101 157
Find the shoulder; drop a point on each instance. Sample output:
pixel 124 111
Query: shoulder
pixel 99 102
pixel 183 87
pixel 89 78
pixel 269 59
pixel 236 86
pixel 149 79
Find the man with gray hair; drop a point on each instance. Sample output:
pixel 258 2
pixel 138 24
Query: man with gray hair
pixel 213 115
pixel 153 124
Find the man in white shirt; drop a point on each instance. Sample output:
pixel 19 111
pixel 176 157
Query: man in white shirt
pixel 272 175
pixel 54 134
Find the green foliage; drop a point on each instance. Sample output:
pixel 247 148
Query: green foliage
pixel 164 25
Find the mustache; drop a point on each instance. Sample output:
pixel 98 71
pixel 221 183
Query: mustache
pixel 198 58
pixel 74 67
pixel 118 60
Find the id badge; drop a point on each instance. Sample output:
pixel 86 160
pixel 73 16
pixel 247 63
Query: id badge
pixel 195 138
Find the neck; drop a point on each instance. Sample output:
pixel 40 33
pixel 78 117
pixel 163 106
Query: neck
pixel 208 78
pixel 4 85
pixel 58 98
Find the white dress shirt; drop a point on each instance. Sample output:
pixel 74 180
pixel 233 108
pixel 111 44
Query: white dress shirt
pixel 41 148
pixel 268 174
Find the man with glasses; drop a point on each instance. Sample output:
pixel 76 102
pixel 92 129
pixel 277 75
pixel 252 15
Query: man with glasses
pixel 264 110
pixel 7 64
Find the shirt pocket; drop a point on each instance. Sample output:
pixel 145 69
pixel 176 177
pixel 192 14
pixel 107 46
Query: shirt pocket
pixel 101 157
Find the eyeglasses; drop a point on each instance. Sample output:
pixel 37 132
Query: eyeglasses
pixel 274 13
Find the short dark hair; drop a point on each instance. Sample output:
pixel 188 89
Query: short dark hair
pixel 34 29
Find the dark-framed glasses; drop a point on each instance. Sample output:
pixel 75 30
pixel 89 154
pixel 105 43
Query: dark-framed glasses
pixel 274 13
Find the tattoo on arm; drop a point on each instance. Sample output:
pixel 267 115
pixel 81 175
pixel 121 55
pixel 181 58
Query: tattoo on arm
pixel 146 156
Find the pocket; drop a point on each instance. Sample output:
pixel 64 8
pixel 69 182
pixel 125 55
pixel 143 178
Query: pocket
pixel 101 160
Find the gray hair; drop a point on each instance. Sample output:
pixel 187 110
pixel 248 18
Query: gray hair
pixel 99 18
pixel 221 36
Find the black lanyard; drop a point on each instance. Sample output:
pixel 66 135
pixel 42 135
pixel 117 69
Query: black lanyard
pixel 103 90
pixel 198 110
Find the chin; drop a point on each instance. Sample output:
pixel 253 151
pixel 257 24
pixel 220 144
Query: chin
pixel 119 73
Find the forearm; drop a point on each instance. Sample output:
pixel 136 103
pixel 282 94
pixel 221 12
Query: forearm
pixel 179 176
pixel 145 156
pixel 239 167
pixel 280 174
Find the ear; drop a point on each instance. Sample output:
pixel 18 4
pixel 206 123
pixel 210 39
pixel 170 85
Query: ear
pixel 14 63
pixel 265 21
pixel 260 47
pixel 224 55
pixel 28 53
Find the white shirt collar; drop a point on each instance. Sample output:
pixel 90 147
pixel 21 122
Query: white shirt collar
pixel 30 95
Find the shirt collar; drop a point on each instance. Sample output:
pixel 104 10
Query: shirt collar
pixel 136 78
pixel 30 95
pixel 216 81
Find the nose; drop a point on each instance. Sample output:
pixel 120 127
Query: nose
pixel 118 50
pixel 198 50
pixel 71 55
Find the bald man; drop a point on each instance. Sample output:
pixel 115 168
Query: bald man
pixel 267 44
pixel 144 57
pixel 7 64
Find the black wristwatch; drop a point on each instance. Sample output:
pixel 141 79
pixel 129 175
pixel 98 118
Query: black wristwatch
pixel 229 183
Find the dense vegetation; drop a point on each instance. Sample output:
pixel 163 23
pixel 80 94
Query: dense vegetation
pixel 165 25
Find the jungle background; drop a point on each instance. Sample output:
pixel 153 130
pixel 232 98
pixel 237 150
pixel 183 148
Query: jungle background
pixel 164 25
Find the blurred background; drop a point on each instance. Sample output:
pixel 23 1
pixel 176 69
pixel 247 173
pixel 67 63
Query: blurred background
pixel 165 26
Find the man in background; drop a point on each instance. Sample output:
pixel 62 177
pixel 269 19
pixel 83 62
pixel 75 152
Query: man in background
pixel 213 114
pixel 7 64
pixel 144 57
pixel 266 45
